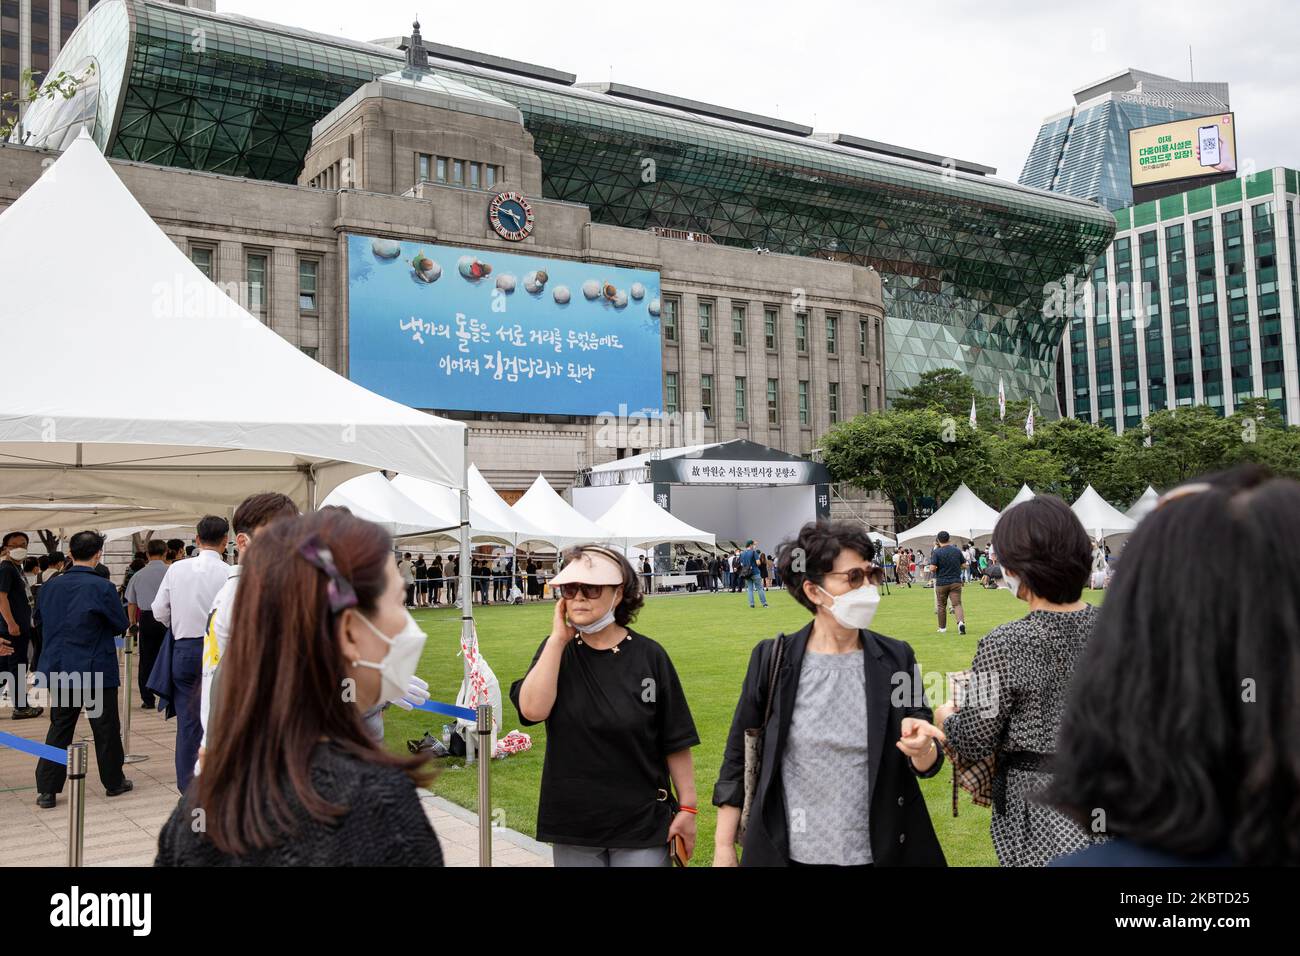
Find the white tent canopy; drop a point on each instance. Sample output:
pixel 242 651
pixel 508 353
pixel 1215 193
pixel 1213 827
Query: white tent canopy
pixel 1024 494
pixel 963 516
pixel 1099 519
pixel 95 291
pixel 373 497
pixel 445 504
pixel 565 526
pixel 884 540
pixel 1144 505
pixel 484 497
pixel 635 521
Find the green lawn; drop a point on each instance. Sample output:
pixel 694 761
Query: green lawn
pixel 709 637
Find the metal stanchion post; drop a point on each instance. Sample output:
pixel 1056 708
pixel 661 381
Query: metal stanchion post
pixel 127 705
pixel 484 732
pixel 78 761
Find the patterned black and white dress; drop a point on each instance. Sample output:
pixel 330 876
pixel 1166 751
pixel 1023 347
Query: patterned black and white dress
pixel 1022 673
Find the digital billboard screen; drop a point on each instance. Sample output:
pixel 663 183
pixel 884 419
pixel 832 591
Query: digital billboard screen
pixel 444 327
pixel 1183 149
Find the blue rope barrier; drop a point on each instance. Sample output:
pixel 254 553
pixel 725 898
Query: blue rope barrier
pixel 450 710
pixel 33 747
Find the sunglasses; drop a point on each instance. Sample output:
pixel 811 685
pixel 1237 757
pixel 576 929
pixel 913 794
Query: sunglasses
pixel 859 576
pixel 589 591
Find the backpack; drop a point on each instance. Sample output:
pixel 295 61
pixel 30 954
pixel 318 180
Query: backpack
pixel 747 562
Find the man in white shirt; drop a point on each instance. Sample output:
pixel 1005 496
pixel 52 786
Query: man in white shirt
pixel 184 600
pixel 253 513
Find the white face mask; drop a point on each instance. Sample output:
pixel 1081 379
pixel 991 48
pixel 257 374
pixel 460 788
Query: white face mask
pixel 17 554
pixel 1012 583
pixel 399 664
pixel 856 608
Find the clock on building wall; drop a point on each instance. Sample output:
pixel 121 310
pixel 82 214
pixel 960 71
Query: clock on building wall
pixel 511 216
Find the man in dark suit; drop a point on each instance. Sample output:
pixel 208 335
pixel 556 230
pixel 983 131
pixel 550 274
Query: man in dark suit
pixel 81 614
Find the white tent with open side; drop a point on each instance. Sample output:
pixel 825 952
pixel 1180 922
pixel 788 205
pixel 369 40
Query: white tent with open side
pixel 373 497
pixel 439 500
pixel 260 415
pixel 565 526
pixel 964 516
pixel 1024 494
pixel 635 521
pixel 1144 505
pixel 1099 518
pixel 484 497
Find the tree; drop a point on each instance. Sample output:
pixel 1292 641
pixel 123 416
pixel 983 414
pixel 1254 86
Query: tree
pixel 1085 454
pixel 1014 460
pixel 906 454
pixel 1176 445
pixel 61 84
pixel 945 390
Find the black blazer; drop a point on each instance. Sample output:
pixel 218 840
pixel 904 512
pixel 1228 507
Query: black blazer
pixel 901 831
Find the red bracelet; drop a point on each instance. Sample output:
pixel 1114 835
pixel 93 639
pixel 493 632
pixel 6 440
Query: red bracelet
pixel 689 809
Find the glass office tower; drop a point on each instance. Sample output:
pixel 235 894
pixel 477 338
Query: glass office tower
pixel 1196 302
pixel 1083 152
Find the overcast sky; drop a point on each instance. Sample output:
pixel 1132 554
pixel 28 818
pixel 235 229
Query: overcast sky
pixel 960 78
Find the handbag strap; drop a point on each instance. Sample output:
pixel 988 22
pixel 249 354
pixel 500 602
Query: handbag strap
pixel 778 651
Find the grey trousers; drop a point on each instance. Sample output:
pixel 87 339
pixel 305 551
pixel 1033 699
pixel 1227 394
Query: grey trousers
pixel 566 854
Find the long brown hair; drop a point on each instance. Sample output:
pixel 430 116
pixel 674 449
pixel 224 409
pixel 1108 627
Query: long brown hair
pixel 282 678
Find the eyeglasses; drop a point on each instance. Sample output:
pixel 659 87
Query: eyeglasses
pixel 857 576
pixel 589 591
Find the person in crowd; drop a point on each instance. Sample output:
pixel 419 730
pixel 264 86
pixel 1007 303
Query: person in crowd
pixel 81 614
pixel 701 574
pixel 1020 676
pixel 453 578
pixel 737 584
pixel 646 574
pixel 484 581
pixel 834 714
pixel 408 576
pixel 32 575
pixel 775 565
pixel 293 778
pixel 16 623
pixel 534 581
pixel 503 565
pixel 175 550
pixel 902 567
pixel 1178 739
pixel 946 563
pixel 253 514
pixel 421 572
pixel 435 580
pixel 618 726
pixel 991 575
pixel 1099 575
pixel 750 571
pixel 182 604
pixel 137 562
pixel 140 593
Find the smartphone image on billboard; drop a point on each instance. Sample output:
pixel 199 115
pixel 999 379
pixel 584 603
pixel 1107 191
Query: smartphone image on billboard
pixel 1209 139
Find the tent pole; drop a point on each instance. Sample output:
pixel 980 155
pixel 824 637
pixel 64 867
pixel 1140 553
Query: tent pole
pixel 311 488
pixel 466 606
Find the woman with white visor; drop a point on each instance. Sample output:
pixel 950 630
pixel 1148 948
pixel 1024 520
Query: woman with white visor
pixel 618 782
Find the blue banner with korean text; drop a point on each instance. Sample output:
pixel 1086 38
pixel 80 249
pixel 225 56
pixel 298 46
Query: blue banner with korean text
pixel 442 327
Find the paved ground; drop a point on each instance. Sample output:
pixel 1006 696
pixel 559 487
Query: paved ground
pixel 123 830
